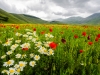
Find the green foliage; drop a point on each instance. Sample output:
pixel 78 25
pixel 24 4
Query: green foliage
pixel 67 58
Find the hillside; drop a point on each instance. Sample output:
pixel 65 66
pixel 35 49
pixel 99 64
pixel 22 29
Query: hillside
pixel 73 20
pixel 19 18
pixel 11 18
pixel 92 19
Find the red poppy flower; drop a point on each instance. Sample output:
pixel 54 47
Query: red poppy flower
pixel 17 27
pixel 90 43
pixel 81 51
pixel 43 32
pixel 63 40
pixel 98 35
pixel 84 33
pixel 75 36
pixel 34 29
pixel 25 49
pixel 53 45
pixel 50 29
pixel 96 39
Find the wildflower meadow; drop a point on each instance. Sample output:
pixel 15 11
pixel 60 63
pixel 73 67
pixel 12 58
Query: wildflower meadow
pixel 39 49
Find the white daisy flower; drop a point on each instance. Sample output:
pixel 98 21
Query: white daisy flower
pixel 36 57
pixel 11 71
pixel 29 33
pixel 18 41
pixel 46 44
pixel 18 55
pixel 2 57
pixel 32 63
pixel 49 35
pixel 10 39
pixel 31 55
pixel 43 50
pixel 34 40
pixel 9 52
pixel 8 63
pixel 8 43
pixel 17 71
pixel 13 47
pixel 25 35
pixel 16 66
pixel 34 33
pixel 25 45
pixel 22 64
pixel 18 34
pixel 30 37
pixel 5 71
pixel 38 44
pixel 51 52
pixel 23 56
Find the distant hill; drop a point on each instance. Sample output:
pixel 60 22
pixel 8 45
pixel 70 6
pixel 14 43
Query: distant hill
pixel 92 19
pixel 56 22
pixel 19 18
pixel 73 20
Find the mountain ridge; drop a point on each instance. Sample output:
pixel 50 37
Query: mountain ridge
pixel 92 19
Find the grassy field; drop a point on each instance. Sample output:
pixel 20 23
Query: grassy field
pixel 49 49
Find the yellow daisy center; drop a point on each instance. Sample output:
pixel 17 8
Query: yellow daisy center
pixel 37 57
pixel 21 65
pixel 51 52
pixel 18 70
pixel 9 62
pixel 45 51
pixel 33 63
pixel 11 71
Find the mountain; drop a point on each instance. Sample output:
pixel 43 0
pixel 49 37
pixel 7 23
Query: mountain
pixel 73 20
pixel 92 19
pixel 6 17
pixel 56 22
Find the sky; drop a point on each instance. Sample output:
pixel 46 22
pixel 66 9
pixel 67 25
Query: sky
pixel 52 9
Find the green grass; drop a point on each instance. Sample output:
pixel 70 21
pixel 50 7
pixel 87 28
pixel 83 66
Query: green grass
pixel 67 59
pixel 20 18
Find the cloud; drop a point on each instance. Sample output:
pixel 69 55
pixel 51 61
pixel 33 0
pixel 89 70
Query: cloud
pixel 52 9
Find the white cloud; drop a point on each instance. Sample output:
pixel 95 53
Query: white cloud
pixel 37 13
pixel 52 9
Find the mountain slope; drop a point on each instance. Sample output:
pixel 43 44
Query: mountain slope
pixel 92 19
pixel 11 18
pixel 20 18
pixel 73 20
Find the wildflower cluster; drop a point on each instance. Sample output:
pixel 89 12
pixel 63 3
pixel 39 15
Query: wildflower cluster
pixel 23 46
